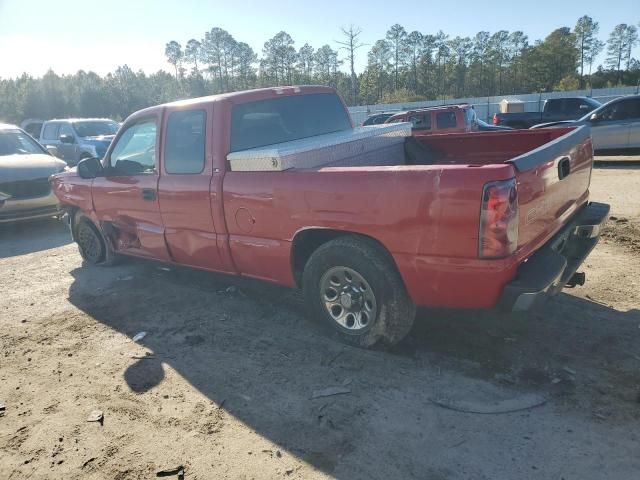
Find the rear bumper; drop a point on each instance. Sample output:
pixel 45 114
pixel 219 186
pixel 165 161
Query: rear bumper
pixel 548 270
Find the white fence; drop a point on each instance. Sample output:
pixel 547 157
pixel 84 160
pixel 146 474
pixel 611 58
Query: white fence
pixel 486 106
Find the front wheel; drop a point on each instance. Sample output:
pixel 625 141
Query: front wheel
pixel 353 286
pixel 92 245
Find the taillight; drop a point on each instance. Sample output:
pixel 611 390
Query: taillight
pixel 498 219
pixel 496 120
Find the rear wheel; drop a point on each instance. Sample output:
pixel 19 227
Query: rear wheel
pixel 353 286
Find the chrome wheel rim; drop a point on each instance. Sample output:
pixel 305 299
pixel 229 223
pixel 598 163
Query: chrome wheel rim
pixel 348 298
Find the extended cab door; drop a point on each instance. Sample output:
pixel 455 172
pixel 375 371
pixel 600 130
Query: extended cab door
pixel 126 198
pixel 186 191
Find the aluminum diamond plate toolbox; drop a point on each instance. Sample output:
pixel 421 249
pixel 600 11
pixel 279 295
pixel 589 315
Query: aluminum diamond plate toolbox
pixel 330 149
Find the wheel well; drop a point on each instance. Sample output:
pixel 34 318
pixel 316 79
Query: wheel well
pixel 308 241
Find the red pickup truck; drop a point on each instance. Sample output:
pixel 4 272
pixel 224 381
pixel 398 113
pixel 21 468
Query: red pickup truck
pixel 477 220
pixel 439 120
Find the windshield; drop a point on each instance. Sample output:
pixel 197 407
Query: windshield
pixel 16 142
pixel 95 128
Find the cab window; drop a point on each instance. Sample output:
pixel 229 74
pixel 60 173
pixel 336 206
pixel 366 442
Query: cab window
pixel 65 129
pixel 135 150
pixel 184 147
pixel 420 122
pixel 50 131
pixel 446 120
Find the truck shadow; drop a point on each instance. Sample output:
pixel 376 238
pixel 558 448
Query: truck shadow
pixel 250 347
pixel 25 237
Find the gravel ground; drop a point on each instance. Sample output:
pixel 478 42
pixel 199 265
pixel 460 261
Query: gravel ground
pixel 224 381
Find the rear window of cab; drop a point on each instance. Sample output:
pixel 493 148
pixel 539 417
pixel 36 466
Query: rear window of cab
pixel 278 120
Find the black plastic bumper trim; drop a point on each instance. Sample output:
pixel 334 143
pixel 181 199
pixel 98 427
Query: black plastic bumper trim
pixel 547 271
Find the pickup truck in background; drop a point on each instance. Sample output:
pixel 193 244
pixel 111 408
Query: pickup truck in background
pixel 554 110
pixel 437 120
pixel 492 220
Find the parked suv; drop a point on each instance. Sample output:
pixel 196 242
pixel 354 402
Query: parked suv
pixel 77 139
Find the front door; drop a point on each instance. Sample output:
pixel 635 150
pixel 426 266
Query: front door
pixel 634 125
pixel 610 128
pixel 126 198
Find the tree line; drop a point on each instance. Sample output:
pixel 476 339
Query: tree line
pixel 402 66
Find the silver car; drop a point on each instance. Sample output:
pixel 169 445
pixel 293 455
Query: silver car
pixel 614 126
pixel 25 167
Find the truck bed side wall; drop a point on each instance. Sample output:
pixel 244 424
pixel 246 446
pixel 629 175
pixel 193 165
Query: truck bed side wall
pixel 426 217
pixel 484 148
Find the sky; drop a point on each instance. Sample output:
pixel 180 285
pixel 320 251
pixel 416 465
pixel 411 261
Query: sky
pixel 69 35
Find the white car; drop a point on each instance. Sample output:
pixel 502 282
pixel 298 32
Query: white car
pixel 25 167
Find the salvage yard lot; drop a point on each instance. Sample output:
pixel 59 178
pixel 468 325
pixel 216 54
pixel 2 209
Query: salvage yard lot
pixel 233 368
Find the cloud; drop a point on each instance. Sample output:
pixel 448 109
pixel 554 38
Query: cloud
pixel 26 54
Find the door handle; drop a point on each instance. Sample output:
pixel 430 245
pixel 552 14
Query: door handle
pixel 148 194
pixel 564 167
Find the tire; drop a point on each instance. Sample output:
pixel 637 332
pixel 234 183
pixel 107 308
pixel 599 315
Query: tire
pixel 93 246
pixel 352 286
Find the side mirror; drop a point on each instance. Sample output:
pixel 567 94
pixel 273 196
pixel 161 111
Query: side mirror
pixel 67 138
pixel 89 168
pixel 52 149
pixel 593 117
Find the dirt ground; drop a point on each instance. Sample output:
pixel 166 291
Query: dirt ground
pixel 227 388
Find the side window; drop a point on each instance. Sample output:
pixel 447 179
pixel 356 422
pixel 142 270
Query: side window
pixel 65 129
pixel 420 122
pixel 135 151
pixel 585 107
pixel 50 131
pixel 628 109
pixel 396 120
pixel 635 111
pixel 185 141
pixel 446 120
pixel 621 110
pixel 572 106
pixel 553 106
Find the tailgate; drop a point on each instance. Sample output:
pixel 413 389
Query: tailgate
pixel 553 183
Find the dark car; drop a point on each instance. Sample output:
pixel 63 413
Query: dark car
pixel 377 119
pixel 554 109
